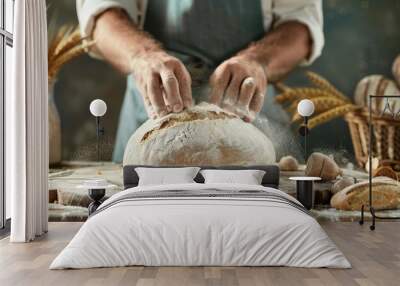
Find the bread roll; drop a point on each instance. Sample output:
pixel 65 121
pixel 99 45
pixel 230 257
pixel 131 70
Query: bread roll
pixel 385 195
pixel 385 171
pixel 321 165
pixel 341 184
pixel 288 163
pixel 203 135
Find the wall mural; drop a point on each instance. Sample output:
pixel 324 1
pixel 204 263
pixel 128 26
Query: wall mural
pixel 367 27
pixel 317 109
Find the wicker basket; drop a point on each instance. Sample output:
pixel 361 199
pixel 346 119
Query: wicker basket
pixel 386 132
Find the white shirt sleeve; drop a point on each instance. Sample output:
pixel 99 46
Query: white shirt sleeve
pixel 88 10
pixel 308 12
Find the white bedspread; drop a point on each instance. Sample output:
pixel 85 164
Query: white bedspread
pixel 183 231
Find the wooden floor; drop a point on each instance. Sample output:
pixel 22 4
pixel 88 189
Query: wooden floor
pixel 375 257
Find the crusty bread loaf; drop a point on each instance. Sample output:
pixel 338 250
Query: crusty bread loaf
pixel 202 135
pixel 376 85
pixel 386 195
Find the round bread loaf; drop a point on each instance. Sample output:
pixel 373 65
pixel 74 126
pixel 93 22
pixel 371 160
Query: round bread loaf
pixel 202 135
pixel 376 85
pixel 396 70
pixel 386 195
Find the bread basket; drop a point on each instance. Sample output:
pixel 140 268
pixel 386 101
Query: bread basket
pixel 386 133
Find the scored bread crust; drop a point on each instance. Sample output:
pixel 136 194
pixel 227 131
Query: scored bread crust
pixel 385 195
pixel 202 135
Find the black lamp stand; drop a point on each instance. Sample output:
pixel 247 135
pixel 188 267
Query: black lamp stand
pixel 370 142
pixel 95 195
pixel 304 131
pixel 99 132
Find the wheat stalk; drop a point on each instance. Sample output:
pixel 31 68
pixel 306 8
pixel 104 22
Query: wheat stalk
pixel 70 41
pixel 56 41
pixel 301 93
pixel 321 104
pixel 324 84
pixel 331 114
pixel 65 57
pixel 281 87
pixel 66 45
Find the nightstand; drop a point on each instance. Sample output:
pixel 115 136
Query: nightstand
pixel 96 191
pixel 304 190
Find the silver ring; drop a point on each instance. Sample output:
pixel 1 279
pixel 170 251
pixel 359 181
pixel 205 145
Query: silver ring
pixel 249 81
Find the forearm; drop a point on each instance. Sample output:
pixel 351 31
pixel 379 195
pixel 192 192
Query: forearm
pixel 281 50
pixel 118 40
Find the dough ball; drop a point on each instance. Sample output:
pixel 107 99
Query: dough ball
pixel 202 135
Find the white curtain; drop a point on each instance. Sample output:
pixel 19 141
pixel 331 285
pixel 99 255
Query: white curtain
pixel 27 123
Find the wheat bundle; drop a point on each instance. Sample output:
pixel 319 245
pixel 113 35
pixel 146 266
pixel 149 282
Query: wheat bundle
pixel 65 45
pixel 328 101
pixel 331 114
pixel 323 84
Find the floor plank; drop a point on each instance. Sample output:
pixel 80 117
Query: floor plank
pixel 375 257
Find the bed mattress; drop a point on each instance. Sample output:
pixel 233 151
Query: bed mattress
pixel 201 225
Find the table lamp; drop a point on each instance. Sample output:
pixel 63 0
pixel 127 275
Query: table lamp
pixel 305 108
pixel 98 108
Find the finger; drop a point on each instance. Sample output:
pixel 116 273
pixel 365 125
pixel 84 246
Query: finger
pixel 256 105
pixel 171 89
pixel 144 91
pixel 219 82
pixel 232 92
pixel 185 83
pixel 149 108
pixel 156 96
pixel 247 90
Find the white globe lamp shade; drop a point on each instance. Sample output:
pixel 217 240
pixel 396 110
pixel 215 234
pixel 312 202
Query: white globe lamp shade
pixel 305 108
pixel 98 107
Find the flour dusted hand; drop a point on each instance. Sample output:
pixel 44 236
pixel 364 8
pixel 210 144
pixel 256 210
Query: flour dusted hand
pixel 163 81
pixel 239 85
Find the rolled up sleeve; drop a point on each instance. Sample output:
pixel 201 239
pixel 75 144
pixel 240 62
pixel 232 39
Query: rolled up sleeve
pixel 88 10
pixel 307 12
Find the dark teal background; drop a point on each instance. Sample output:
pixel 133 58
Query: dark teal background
pixel 362 38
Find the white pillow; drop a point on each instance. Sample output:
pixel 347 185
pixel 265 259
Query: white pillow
pixel 248 177
pixel 165 176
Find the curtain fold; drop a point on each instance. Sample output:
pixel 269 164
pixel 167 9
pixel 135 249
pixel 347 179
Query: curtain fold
pixel 27 123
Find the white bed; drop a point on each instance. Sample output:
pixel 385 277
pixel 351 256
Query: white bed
pixel 246 225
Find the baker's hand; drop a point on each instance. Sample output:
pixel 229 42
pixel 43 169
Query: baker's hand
pixel 239 85
pixel 163 81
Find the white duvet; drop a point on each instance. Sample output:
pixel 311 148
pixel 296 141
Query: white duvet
pixel 204 231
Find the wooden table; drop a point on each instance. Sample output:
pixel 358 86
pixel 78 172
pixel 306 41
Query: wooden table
pixel 64 179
